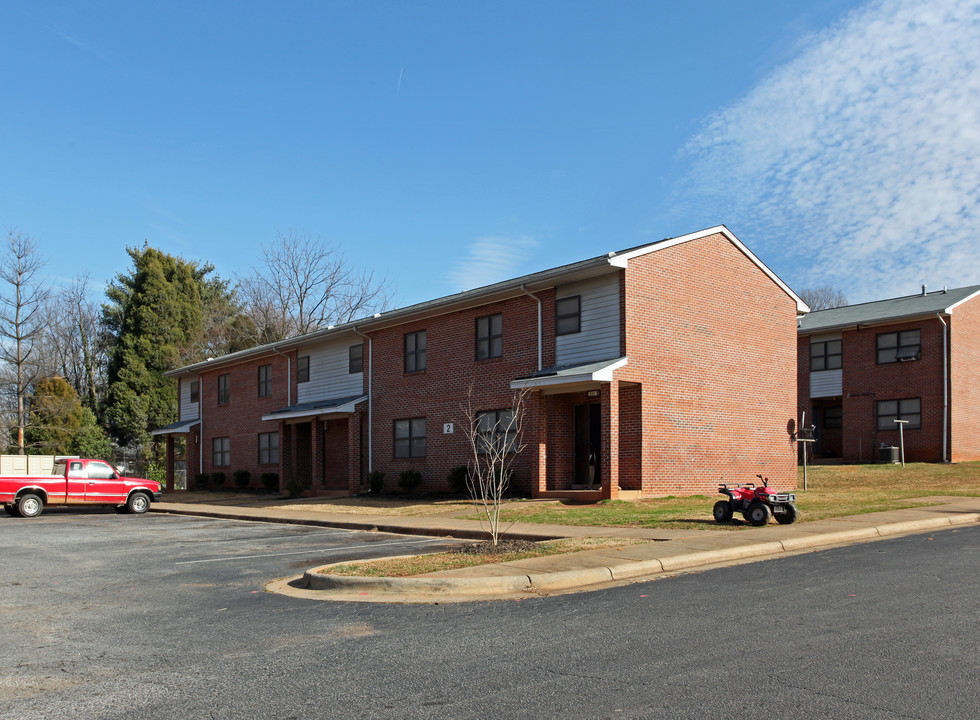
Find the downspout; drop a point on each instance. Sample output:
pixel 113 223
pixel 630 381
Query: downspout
pixel 370 400
pixel 200 419
pixel 945 384
pixel 535 297
pixel 289 376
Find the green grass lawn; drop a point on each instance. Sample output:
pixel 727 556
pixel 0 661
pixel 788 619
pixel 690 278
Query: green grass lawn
pixel 833 491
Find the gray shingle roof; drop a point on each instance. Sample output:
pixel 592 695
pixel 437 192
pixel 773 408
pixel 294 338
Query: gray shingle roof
pixel 879 311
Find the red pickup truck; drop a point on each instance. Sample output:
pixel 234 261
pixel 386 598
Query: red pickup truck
pixel 77 482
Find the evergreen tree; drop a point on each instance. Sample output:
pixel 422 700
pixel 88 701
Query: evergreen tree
pixel 154 321
pixel 59 425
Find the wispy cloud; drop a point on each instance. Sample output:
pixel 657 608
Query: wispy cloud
pixel 860 158
pixel 491 259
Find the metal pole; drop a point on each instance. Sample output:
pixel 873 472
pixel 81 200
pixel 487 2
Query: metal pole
pixel 901 438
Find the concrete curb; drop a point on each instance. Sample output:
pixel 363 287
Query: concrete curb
pixel 457 589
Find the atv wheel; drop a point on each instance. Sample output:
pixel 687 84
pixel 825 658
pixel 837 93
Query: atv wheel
pixel 788 516
pixel 758 514
pixel 722 511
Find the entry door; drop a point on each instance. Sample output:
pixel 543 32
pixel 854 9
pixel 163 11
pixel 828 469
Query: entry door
pixel 588 445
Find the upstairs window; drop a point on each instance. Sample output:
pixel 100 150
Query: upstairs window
pixel 265 380
pixel 355 359
pixel 195 389
pixel 489 336
pixel 410 438
pixel 303 369
pixel 224 389
pixel 415 351
pixel 568 315
pixel 825 355
pixel 899 346
pixel 891 410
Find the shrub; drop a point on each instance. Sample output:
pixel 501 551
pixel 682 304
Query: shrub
pixel 270 481
pixel 242 478
pixel 201 481
pixel 218 479
pixel 376 482
pixel 457 480
pixel 408 480
pixel 295 487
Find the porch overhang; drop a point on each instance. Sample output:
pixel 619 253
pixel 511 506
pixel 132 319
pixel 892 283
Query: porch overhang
pixel 178 428
pixel 335 407
pixel 566 378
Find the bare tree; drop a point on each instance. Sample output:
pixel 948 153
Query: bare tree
pixel 823 298
pixel 305 284
pixel 496 438
pixel 72 345
pixel 22 301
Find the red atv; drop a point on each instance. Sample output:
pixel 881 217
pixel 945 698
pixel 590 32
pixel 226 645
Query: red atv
pixel 756 503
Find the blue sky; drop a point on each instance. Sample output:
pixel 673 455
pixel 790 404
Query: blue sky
pixel 448 144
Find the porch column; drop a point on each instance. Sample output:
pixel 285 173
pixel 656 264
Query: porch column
pixel 285 454
pixel 354 453
pixel 170 463
pixel 537 408
pixel 316 455
pixel 610 441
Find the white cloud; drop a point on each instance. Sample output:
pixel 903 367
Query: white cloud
pixel 491 259
pixel 859 160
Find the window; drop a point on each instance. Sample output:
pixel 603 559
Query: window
pixel 221 452
pixel 495 427
pixel 415 351
pixel 269 448
pixel 100 471
pixel 194 390
pixel 410 438
pixel 825 355
pixel 303 369
pixel 899 346
pixel 265 380
pixel 355 359
pixel 568 315
pixel 891 410
pixel 224 389
pixel 833 418
pixel 489 336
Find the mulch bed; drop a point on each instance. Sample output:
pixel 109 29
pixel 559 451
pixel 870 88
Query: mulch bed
pixel 504 546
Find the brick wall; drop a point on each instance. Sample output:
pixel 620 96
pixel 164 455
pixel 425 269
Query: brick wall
pixel 240 419
pixel 964 370
pixel 439 393
pixel 712 342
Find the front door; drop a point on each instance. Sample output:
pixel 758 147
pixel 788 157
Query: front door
pixel 103 485
pixel 588 445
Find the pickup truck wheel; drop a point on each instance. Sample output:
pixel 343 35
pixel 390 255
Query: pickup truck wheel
pixel 29 505
pixel 138 503
pixel 11 510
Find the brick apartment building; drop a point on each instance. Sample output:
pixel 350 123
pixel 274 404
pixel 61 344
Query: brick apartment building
pixel 915 358
pixel 656 370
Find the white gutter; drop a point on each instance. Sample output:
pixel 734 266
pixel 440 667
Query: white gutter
pixel 200 419
pixel 945 384
pixel 370 399
pixel 535 297
pixel 289 376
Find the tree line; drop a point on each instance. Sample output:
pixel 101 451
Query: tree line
pixel 81 370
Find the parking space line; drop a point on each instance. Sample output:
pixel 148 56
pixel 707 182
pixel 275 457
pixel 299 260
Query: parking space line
pixel 312 550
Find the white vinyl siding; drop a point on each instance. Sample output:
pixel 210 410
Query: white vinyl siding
pixel 188 410
pixel 330 375
pixel 827 383
pixel 599 336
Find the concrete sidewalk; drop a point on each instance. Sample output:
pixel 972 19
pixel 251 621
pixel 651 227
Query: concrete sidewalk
pixel 668 550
